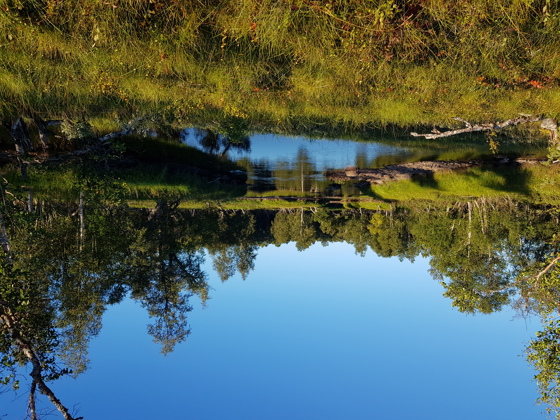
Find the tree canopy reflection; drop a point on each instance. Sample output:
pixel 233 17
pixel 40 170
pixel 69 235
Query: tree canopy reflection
pixel 64 264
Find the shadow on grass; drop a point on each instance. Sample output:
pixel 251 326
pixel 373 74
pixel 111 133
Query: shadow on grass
pixel 426 181
pixel 506 179
pixel 513 179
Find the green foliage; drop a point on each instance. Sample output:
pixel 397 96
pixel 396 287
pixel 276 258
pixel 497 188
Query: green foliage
pixel 293 226
pixel 80 131
pixel 543 353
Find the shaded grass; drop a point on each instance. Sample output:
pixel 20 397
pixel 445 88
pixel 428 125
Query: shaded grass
pixel 145 184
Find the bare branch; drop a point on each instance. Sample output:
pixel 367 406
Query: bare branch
pixel 482 127
pixel 31 405
pixel 10 322
pixel 537 277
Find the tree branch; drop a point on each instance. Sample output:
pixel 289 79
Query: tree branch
pixel 10 322
pixel 537 277
pixel 469 128
pixel 5 242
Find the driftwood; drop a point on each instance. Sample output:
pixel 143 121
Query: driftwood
pixel 547 124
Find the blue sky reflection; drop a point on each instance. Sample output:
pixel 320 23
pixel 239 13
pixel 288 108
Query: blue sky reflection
pixel 319 334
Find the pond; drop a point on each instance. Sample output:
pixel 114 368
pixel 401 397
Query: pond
pixel 297 164
pixel 282 314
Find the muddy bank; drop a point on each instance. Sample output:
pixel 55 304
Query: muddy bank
pixel 406 171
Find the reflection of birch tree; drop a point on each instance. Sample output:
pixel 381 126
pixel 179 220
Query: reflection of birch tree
pixel 27 334
pixel 297 175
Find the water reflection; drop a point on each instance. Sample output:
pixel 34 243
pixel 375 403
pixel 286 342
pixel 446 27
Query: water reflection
pixel 291 164
pixel 296 165
pixel 55 288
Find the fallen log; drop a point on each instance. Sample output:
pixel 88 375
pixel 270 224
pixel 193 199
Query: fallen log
pixel 547 124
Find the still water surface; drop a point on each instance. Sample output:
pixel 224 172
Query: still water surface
pixel 318 334
pixel 297 163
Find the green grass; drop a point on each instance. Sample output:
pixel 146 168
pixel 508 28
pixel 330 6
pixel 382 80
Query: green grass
pixel 536 183
pixel 290 64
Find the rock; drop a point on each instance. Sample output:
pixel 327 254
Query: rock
pixel 351 171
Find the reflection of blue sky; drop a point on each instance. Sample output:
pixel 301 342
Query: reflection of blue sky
pixel 320 334
pixel 325 154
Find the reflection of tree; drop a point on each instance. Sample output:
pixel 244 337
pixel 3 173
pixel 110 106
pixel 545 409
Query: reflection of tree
pixel 162 276
pixel 484 253
pixel 294 226
pixel 233 252
pixel 27 334
pixel 53 295
pixel 298 175
pixel 237 258
pixel 219 144
pixel 361 157
pixel 543 353
pixel 167 298
pixel 390 235
pixel 477 250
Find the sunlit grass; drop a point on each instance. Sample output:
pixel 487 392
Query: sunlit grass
pixel 536 183
pixel 284 64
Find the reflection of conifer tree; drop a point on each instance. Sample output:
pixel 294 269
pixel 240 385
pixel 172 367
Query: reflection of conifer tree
pixel 282 175
pixel 167 297
pixel 361 158
pixel 165 276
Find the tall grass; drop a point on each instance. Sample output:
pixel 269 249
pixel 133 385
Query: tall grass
pixel 347 62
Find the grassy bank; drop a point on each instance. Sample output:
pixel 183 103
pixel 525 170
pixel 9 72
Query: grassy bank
pixel 142 187
pixel 536 183
pixel 282 65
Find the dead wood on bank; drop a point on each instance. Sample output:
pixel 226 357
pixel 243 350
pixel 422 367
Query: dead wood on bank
pixel 547 124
